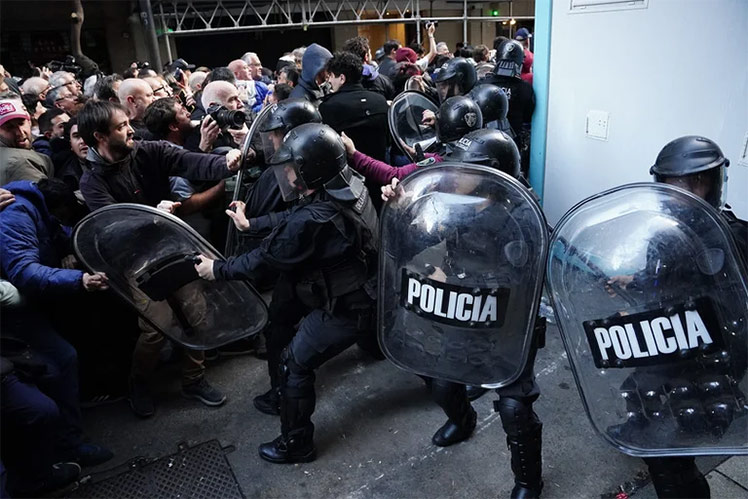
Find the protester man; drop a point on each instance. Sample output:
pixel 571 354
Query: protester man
pixel 121 170
pixel 313 74
pixel 256 90
pixel 255 68
pixel 136 95
pixel 35 257
pixel 36 86
pixel 107 88
pixel 66 79
pixel 217 94
pixel 63 98
pixel 17 159
pixel 51 125
pixel 372 78
pixel 387 63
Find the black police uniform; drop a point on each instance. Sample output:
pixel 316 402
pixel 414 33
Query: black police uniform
pixel 521 106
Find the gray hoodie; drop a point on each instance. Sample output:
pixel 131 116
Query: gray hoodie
pixel 314 60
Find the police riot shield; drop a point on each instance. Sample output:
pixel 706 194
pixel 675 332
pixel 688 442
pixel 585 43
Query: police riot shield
pixel 651 301
pixel 405 119
pixel 460 276
pixel 245 179
pixel 149 256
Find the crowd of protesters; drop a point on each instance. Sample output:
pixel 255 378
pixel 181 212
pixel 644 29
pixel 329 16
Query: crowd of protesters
pixel 76 140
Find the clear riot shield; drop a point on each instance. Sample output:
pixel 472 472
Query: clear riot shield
pixel 460 276
pixel 405 116
pixel 652 302
pixel 245 179
pixel 148 256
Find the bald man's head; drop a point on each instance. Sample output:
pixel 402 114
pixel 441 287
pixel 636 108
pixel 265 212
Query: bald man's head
pixel 240 69
pixel 36 86
pixel 136 95
pixel 221 93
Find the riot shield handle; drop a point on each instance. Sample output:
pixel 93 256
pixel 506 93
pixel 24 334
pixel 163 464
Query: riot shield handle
pixel 419 153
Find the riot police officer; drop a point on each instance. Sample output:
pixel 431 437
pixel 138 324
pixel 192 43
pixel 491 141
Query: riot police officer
pixel 495 149
pixel 254 220
pixel 509 58
pixel 456 77
pixel 494 105
pixel 326 246
pixel 697 165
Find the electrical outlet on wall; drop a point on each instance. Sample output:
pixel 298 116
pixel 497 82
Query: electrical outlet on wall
pixel 597 124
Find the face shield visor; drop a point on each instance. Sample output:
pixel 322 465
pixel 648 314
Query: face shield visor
pixel 290 181
pixel 448 88
pixel 271 142
pixel 710 185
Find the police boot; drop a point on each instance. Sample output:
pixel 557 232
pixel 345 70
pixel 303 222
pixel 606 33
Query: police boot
pixel 296 441
pixel 677 477
pixel 462 417
pixel 523 437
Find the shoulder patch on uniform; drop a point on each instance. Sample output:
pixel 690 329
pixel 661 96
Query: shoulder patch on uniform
pixel 426 162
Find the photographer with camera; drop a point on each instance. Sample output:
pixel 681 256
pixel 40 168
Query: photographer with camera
pixel 225 122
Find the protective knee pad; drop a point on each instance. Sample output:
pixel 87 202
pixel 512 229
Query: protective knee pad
pixel 517 417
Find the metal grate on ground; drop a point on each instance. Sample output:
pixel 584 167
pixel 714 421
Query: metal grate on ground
pixel 201 472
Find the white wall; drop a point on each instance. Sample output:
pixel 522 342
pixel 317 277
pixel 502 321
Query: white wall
pixel 678 67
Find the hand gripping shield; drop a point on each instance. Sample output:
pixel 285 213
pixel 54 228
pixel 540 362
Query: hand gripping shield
pixel 405 116
pixel 651 300
pixel 245 180
pixel 460 275
pixel 148 256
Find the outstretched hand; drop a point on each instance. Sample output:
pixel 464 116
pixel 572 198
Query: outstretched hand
pixel 238 216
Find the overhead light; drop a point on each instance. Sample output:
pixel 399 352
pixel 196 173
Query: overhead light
pixel 513 22
pixel 504 23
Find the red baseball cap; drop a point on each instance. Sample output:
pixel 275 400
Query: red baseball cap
pixel 406 54
pixel 12 109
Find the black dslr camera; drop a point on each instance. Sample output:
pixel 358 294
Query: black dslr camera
pixel 226 118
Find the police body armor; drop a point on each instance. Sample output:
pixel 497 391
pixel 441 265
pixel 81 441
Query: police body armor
pixel 460 276
pixel 405 116
pixel 652 299
pixel 348 285
pixel 149 257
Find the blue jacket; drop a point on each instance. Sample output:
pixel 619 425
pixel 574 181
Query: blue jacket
pixel 33 244
pixel 262 91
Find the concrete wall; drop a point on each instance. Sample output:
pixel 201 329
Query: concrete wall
pixel 675 68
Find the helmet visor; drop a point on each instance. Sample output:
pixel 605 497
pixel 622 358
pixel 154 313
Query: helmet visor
pixel 710 185
pixel 290 181
pixel 271 142
pixel 448 88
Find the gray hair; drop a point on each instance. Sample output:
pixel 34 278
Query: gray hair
pixel 58 78
pixel 34 86
pixel 196 80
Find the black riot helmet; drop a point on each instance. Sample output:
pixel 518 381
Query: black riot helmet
pixel 509 58
pixel 281 119
pixel 696 164
pixel 312 156
pixel 456 117
pixel 456 77
pixel 289 114
pixel 488 147
pixel 494 105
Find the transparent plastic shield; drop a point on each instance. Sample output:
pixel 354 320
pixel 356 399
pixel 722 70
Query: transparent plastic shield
pixel 244 181
pixel 405 116
pixel 652 302
pixel 147 255
pixel 460 276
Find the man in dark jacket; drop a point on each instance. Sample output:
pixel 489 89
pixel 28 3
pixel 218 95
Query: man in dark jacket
pixel 35 256
pixel 121 170
pixel 51 125
pixel 360 113
pixel 312 74
pixel 387 64
pixel 372 79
